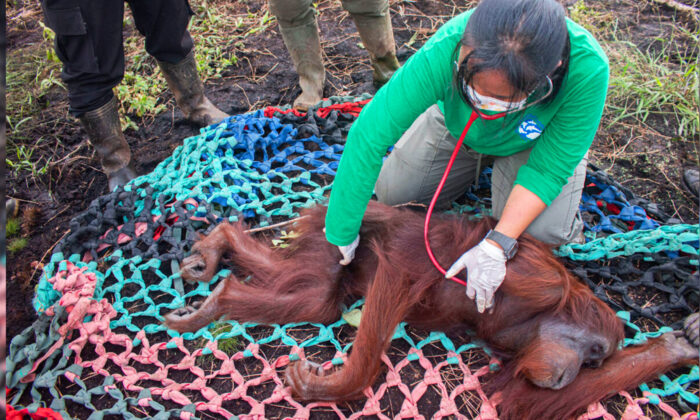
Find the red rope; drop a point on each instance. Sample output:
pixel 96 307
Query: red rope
pixel 40 414
pixel 352 108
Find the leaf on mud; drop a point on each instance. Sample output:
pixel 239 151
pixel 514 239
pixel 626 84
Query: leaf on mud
pixel 290 235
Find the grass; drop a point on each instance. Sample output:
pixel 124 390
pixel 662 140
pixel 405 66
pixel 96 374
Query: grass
pixel 645 86
pixel 217 32
pixel 11 227
pixel 16 245
pixel 12 230
pixel 19 158
pixel 32 71
pixel 228 345
pixel 662 83
pixel 646 83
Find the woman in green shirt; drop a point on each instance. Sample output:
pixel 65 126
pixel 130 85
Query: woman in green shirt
pixel 521 57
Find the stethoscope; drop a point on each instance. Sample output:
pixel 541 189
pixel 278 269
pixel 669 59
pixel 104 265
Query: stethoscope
pixel 426 227
pixel 473 117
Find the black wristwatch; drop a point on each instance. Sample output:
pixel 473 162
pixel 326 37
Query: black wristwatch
pixel 509 245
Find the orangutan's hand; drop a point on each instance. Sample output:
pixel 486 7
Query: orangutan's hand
pixel 486 269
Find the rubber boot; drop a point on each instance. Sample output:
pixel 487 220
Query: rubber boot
pixel 691 181
pixel 105 134
pixel 304 47
pixel 378 38
pixel 188 89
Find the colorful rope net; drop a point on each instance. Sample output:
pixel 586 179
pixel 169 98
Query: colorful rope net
pixel 98 347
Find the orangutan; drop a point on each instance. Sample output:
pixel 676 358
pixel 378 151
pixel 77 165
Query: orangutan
pixel 559 343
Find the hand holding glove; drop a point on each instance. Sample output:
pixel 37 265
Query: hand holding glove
pixel 486 269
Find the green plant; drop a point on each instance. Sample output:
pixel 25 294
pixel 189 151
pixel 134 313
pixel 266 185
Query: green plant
pixel 16 245
pixel 24 161
pixel 595 21
pixel 11 227
pixel 645 83
pixel 228 345
pixel 661 82
pixel 31 73
pixel 215 34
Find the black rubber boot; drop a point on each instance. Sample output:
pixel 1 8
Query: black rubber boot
pixel 691 181
pixel 105 134
pixel 183 80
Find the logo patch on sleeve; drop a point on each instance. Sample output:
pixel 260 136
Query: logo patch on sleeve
pixel 530 128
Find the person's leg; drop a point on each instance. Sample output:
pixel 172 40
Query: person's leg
pixel 89 43
pixel 164 24
pixel 297 23
pixel 559 222
pixel 373 23
pixel 415 167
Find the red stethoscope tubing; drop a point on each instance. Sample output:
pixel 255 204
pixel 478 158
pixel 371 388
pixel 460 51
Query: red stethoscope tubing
pixel 426 227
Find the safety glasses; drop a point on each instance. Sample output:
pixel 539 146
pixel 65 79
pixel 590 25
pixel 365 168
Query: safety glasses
pixel 539 94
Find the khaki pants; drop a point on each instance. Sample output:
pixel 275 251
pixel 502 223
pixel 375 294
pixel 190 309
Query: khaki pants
pixel 414 168
pixel 291 13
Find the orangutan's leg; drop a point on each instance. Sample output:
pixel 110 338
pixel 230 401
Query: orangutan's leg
pixel 385 307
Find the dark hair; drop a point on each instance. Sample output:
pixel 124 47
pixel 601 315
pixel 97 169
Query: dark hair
pixel 525 39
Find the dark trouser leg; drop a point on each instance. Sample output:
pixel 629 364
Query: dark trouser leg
pixel 164 24
pixel 89 43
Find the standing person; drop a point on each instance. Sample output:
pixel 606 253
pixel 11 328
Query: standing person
pixel 520 57
pixel 89 43
pixel 297 22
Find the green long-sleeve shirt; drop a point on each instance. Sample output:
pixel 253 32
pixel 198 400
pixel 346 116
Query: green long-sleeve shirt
pixel 559 132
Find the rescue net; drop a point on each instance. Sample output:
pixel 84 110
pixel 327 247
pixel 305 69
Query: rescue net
pixel 98 347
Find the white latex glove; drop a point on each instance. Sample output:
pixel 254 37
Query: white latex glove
pixel 486 269
pixel 348 251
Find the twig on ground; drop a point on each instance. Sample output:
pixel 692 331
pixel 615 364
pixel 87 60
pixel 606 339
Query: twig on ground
pixel 41 261
pixel 694 12
pixel 276 225
pixel 21 199
pixel 244 94
pixel 57 214
pixel 410 204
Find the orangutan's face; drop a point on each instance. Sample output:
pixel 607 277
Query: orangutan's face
pixel 561 350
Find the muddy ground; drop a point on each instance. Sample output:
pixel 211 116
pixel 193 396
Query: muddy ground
pixel 647 158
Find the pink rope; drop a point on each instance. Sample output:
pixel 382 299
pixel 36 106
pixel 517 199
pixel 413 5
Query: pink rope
pixel 77 286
